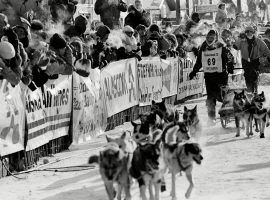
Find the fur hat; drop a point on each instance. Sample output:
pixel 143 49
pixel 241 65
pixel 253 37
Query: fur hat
pixel 102 30
pixel 36 25
pixel 128 29
pixel 7 50
pixel 57 41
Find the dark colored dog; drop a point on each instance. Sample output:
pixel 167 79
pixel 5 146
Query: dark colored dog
pixel 146 166
pixel 192 121
pixel 259 112
pixel 180 158
pixel 113 168
pixel 168 111
pixel 242 112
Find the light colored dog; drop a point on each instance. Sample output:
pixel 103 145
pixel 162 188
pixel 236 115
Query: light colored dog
pixel 113 168
pixel 180 157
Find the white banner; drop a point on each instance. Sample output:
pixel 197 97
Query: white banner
pixel 12 118
pixel 48 112
pixel 150 80
pixel 169 76
pixel 119 85
pixel 188 87
pixel 89 108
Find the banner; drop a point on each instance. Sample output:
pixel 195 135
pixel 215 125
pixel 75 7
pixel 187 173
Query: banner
pixel 89 114
pixel 188 87
pixel 48 111
pixel 169 76
pixel 12 118
pixel 150 80
pixel 119 85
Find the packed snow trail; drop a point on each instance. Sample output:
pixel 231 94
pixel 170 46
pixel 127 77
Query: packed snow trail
pixel 232 169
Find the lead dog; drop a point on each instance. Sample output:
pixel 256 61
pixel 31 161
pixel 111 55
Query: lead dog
pixel 113 168
pixel 180 157
pixel 148 167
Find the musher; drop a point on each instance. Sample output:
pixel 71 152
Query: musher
pixel 216 61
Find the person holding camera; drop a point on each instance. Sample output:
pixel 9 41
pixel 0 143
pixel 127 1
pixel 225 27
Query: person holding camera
pixel 253 50
pixel 217 62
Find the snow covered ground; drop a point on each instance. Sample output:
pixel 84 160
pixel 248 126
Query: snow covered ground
pixel 232 169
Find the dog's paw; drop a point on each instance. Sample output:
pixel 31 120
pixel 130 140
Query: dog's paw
pixel 187 195
pixel 237 135
pixel 262 135
pixel 257 130
pixel 267 124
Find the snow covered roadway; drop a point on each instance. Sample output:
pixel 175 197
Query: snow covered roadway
pixel 232 169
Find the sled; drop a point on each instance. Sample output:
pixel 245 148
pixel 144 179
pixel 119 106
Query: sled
pixel 226 112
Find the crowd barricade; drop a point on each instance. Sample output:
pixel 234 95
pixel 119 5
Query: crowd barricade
pixel 75 109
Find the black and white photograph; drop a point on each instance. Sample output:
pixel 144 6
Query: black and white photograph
pixel 134 99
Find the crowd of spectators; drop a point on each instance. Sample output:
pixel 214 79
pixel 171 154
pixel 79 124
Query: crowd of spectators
pixel 29 53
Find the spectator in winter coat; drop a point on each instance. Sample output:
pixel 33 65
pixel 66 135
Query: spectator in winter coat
pixel 221 16
pixel 216 61
pixel 137 15
pixel 154 33
pixel 109 11
pixel 252 50
pixel 142 37
pixel 171 52
pixel 3 23
pixel 9 66
pixel 78 29
pixel 129 41
pixel 180 48
pixel 193 22
pixel 62 63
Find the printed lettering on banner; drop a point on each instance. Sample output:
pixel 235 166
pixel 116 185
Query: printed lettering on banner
pixel 169 77
pixel 12 119
pixel 89 108
pixel 119 85
pixel 188 87
pixel 212 60
pixel 48 111
pixel 150 80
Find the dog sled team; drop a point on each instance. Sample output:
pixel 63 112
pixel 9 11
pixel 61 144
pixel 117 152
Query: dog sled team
pixel 159 144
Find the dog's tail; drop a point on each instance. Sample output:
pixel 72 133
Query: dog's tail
pixel 93 159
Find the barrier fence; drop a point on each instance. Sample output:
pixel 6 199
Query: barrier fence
pixel 75 109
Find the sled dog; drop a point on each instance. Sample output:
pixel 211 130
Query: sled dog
pixel 191 119
pixel 113 168
pixel 179 157
pixel 169 112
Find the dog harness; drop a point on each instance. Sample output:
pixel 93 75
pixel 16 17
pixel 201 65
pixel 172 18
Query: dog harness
pixel 182 167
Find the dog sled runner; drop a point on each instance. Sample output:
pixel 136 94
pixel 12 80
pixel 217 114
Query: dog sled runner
pixel 236 83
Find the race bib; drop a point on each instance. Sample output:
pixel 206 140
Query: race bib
pixel 212 60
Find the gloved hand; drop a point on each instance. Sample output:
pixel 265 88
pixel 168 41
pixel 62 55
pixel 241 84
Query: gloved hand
pixel 192 75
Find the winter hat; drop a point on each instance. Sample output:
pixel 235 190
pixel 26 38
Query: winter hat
pixel 36 25
pixel 57 41
pixel 128 29
pixel 25 40
pixel 140 27
pixel 172 38
pixel 267 31
pixel 250 28
pixel 7 50
pixel 102 30
pixel 153 28
pixel 81 23
pixel 220 5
